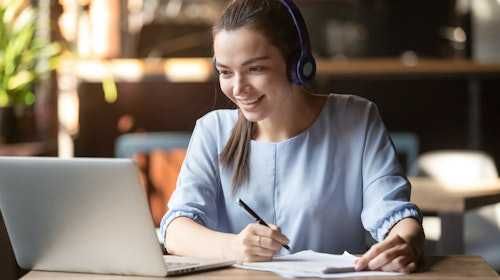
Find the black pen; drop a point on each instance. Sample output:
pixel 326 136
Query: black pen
pixel 256 217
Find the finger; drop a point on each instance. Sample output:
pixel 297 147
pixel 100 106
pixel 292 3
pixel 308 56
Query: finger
pixel 397 264
pixel 260 241
pixel 251 240
pixel 258 251
pixel 269 243
pixel 274 227
pixel 270 233
pixel 279 237
pixel 377 249
pixel 411 267
pixel 387 256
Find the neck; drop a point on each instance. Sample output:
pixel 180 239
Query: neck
pixel 297 114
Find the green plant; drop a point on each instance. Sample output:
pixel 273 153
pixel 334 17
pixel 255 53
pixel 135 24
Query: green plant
pixel 24 57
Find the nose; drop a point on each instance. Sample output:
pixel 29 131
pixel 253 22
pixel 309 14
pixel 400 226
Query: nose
pixel 240 86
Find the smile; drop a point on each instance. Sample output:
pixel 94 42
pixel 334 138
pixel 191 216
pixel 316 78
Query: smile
pixel 250 101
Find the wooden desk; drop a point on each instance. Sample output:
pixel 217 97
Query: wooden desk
pixel 451 206
pixel 450 267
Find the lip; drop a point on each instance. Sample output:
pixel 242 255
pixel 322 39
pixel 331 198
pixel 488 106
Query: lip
pixel 249 102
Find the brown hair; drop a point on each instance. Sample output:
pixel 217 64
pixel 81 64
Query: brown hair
pixel 271 18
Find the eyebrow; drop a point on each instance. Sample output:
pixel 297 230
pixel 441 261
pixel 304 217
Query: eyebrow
pixel 250 61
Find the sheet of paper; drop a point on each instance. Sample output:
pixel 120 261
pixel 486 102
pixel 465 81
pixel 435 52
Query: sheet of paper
pixel 313 264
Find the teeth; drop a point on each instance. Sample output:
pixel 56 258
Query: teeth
pixel 248 102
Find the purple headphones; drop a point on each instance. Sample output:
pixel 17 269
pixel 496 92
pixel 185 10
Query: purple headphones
pixel 303 65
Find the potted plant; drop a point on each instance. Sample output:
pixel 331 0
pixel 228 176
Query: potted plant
pixel 24 58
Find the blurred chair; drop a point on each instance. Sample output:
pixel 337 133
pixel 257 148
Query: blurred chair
pixel 460 169
pixel 129 144
pixel 407 147
pixel 159 155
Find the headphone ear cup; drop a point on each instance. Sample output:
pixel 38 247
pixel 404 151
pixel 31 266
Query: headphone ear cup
pixel 306 68
pixel 302 68
pixel 292 68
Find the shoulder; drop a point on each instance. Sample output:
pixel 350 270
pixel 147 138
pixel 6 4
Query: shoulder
pixel 349 102
pixel 350 110
pixel 349 117
pixel 218 119
pixel 217 124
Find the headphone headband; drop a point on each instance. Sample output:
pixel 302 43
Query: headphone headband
pixel 300 24
pixel 303 66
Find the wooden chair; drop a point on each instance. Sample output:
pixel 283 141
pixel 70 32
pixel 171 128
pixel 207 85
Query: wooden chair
pixel 159 156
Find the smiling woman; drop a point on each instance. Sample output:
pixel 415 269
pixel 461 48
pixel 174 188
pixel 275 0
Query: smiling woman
pixel 252 73
pixel 284 147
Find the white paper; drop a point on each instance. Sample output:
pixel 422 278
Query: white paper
pixel 312 264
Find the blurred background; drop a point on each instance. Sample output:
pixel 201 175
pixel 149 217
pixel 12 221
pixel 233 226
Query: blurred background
pixel 430 66
pixel 109 78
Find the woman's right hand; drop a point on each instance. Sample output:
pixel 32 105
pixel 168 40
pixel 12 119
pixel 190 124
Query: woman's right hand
pixel 257 243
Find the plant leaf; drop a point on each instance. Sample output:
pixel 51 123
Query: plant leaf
pixel 29 98
pixel 109 89
pixel 19 80
pixel 25 18
pixel 11 9
pixel 23 56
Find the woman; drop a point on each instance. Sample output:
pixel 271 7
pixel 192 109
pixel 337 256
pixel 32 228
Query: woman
pixel 322 168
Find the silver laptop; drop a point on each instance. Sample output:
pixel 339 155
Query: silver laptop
pixel 84 215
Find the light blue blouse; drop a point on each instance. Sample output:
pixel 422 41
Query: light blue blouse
pixel 324 187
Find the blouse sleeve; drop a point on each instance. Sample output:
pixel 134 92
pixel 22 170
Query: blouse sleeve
pixel 198 182
pixel 386 191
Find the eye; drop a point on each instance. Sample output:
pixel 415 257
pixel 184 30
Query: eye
pixel 257 69
pixel 224 73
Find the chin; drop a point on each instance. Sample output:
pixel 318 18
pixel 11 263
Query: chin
pixel 253 116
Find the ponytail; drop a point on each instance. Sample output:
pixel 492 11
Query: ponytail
pixel 235 153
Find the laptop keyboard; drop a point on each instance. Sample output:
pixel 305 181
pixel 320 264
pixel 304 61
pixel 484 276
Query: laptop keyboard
pixel 175 265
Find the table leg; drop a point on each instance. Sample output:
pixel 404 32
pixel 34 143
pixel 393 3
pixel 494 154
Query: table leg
pixel 474 118
pixel 452 240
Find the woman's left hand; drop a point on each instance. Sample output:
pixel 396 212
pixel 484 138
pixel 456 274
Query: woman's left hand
pixel 392 254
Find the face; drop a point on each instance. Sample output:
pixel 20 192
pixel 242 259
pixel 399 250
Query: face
pixel 252 72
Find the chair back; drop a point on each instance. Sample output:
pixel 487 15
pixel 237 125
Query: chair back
pixel 132 143
pixel 460 167
pixel 159 156
pixel 407 146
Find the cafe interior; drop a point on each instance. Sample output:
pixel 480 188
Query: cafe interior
pixel 129 79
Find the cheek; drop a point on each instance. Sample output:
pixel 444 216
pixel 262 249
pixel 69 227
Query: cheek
pixel 273 83
pixel 226 88
pixel 277 77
